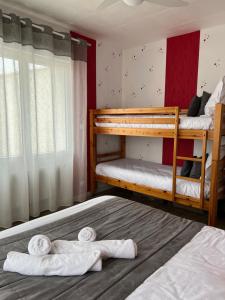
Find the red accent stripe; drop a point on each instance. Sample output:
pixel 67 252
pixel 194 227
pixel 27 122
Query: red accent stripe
pixel 181 83
pixel 91 86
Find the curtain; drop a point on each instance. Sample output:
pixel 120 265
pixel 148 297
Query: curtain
pixel 37 107
pixel 80 119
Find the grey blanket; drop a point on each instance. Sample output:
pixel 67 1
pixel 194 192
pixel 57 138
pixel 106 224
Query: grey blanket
pixel 159 236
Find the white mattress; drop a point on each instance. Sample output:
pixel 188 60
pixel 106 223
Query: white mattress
pixel 202 122
pixel 196 272
pixel 149 174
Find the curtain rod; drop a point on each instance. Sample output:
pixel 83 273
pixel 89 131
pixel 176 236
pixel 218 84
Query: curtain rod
pixel 42 29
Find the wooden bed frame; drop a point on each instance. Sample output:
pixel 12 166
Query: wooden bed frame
pixel 217 188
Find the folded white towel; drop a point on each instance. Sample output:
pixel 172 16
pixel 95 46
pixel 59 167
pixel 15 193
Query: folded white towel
pixel 39 245
pixel 87 234
pixel 55 264
pixel 108 248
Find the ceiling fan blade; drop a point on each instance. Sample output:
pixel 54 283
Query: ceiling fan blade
pixel 107 3
pixel 169 3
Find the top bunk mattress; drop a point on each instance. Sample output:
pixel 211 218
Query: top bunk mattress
pixel 150 174
pixel 196 123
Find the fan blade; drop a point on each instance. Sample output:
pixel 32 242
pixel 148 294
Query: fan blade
pixel 107 3
pixel 169 3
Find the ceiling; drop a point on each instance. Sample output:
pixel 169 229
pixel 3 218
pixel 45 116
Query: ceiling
pixel 128 26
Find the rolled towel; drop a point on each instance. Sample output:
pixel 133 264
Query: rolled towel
pixel 53 264
pixel 108 248
pixel 39 245
pixel 87 234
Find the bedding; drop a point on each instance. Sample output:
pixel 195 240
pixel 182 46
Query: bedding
pixel 150 174
pixel 159 236
pixel 196 272
pixel 202 122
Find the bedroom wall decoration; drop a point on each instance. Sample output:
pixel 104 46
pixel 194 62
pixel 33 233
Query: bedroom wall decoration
pixel 143 83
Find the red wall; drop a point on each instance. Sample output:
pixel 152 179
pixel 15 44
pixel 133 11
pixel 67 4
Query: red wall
pixel 91 84
pixel 181 83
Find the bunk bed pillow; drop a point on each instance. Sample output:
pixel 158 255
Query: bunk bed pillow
pixel 218 96
pixel 197 168
pixel 204 99
pixel 186 168
pixel 194 106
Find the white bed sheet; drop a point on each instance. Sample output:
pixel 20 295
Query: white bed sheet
pixel 201 123
pixel 53 217
pixel 149 174
pixel 196 272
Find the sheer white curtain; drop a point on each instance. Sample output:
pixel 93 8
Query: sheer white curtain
pixel 80 126
pixel 36 132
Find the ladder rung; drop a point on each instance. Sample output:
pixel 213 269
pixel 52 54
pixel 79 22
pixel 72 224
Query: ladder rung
pixel 188 178
pixel 189 158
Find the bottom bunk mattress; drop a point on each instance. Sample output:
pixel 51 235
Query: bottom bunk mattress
pixel 158 235
pixel 150 174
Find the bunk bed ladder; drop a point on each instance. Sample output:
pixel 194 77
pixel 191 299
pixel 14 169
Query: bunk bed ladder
pixel 175 142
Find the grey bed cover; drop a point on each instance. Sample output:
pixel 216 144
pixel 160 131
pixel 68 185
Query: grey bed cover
pixel 159 236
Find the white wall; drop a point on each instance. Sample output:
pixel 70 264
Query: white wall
pixel 109 86
pixel 211 64
pixel 143 85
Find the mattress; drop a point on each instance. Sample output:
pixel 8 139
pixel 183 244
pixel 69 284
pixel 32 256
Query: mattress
pixel 149 174
pixel 201 123
pixel 196 272
pixel 159 236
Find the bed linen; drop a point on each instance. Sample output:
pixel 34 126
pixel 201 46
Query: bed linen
pixel 202 122
pixel 196 272
pixel 159 236
pixel 150 174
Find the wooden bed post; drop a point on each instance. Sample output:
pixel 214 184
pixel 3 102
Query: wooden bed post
pixel 92 153
pixel 175 141
pixel 122 146
pixel 213 201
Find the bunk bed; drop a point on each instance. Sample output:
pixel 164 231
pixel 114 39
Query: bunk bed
pixel 163 122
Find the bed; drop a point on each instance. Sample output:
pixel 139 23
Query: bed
pixel 159 236
pixel 161 122
pixel 150 174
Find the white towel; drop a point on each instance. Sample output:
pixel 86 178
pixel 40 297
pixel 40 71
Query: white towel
pixel 55 264
pixel 108 248
pixel 87 234
pixel 39 245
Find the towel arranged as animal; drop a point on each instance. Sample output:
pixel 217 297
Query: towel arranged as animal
pixel 68 258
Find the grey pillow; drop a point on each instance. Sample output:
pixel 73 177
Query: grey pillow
pixel 194 106
pixel 196 169
pixel 186 168
pixel 204 99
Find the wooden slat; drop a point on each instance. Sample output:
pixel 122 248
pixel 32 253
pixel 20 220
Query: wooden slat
pixel 189 158
pixel 150 132
pixel 136 111
pixel 162 194
pixel 188 178
pixel 191 134
pixel 136 120
pixel 102 155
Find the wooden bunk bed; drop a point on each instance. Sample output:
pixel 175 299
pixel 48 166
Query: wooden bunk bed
pixel 162 116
